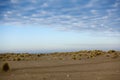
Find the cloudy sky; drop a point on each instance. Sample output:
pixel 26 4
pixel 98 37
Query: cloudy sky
pixel 59 25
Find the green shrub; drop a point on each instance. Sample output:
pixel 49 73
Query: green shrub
pixel 5 67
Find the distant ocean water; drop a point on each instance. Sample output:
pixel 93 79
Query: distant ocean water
pixel 49 50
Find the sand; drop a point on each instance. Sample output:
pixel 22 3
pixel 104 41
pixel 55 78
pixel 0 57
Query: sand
pixel 98 68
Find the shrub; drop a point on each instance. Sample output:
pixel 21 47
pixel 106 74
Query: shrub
pixel 111 51
pixel 39 55
pixel 61 58
pixel 18 59
pixel 6 67
pixel 115 55
pixel 74 57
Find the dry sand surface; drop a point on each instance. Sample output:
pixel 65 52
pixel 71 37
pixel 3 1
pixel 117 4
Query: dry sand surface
pixel 98 68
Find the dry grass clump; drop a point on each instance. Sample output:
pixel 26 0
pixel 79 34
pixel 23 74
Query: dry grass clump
pixel 112 54
pixel 60 58
pixel 115 55
pixel 5 67
pixel 97 52
pixel 94 53
pixel 111 51
pixel 86 53
pixel 16 59
pixel 76 57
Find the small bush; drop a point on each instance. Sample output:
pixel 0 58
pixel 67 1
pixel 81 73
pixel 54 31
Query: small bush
pixel 74 57
pixel 18 59
pixel 61 58
pixel 115 55
pixel 111 51
pixel 6 67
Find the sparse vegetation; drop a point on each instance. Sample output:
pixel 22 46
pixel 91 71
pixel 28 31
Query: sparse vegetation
pixel 83 54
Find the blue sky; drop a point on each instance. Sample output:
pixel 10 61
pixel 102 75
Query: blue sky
pixel 59 25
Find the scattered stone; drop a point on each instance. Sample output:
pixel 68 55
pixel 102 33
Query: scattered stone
pixel 68 75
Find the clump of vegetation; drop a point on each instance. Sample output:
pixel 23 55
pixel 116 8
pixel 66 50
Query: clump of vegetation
pixel 60 58
pixel 111 51
pixel 5 67
pixel 38 55
pixel 76 57
pixel 115 55
pixel 18 59
pixel 94 53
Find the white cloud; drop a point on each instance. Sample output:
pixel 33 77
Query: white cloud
pixel 25 17
pixel 34 15
pixel 66 18
pixel 33 1
pixel 45 5
pixel 93 26
pixel 9 12
pixel 94 11
pixel 62 28
pixel 116 4
pixel 74 1
pixel 14 1
pixel 105 17
pixel 5 15
pixel 91 3
pixel 43 12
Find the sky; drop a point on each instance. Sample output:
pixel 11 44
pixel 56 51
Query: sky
pixel 59 25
